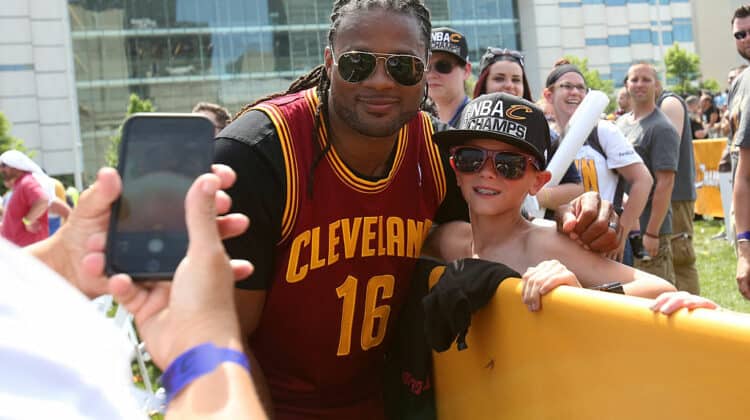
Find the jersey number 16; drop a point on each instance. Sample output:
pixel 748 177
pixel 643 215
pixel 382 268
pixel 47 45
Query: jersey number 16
pixel 378 287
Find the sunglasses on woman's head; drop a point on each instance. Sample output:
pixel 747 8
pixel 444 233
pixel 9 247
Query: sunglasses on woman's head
pixel 493 54
pixel 358 66
pixel 471 159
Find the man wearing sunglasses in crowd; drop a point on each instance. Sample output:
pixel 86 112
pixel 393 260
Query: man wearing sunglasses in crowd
pixel 739 145
pixel 342 182
pixel 448 71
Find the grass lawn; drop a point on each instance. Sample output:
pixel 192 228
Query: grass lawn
pixel 716 264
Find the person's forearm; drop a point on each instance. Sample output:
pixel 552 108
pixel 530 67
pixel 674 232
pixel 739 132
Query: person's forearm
pixel 553 197
pixel 659 206
pixel 646 285
pixel 36 210
pixel 60 207
pixel 227 392
pixel 634 206
pixel 260 384
pixel 741 194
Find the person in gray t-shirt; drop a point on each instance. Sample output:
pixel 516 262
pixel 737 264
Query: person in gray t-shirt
pixel 739 121
pixel 683 195
pixel 657 142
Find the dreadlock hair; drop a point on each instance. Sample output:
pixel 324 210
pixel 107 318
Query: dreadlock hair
pixel 318 77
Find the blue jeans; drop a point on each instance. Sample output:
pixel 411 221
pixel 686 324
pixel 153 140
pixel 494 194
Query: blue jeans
pixel 627 254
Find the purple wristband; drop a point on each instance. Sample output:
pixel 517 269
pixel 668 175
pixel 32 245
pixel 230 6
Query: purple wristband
pixel 743 236
pixel 195 363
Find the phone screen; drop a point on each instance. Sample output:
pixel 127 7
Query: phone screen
pixel 160 157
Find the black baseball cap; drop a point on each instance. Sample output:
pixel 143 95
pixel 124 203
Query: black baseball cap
pixel 505 118
pixel 451 41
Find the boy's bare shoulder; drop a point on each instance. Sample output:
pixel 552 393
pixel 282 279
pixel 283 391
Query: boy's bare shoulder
pixel 545 239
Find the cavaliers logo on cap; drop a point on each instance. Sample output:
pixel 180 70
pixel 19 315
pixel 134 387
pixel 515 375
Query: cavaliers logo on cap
pixel 513 111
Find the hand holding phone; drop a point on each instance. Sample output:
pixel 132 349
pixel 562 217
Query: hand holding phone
pixel 160 157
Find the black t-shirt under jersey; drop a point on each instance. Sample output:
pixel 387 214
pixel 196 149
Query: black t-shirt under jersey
pixel 251 147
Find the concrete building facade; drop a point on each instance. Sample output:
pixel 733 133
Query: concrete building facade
pixel 37 83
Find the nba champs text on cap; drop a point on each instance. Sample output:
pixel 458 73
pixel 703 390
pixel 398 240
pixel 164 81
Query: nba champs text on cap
pixel 450 41
pixel 506 118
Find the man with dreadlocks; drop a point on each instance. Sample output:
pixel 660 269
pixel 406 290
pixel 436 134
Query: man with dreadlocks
pixel 341 181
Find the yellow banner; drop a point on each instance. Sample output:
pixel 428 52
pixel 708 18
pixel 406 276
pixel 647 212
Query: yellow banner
pixel 595 355
pixel 707 155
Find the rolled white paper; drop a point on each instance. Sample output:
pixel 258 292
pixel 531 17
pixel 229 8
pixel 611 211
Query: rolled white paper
pixel 583 120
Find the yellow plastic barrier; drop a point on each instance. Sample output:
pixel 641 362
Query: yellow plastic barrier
pixel 707 155
pixel 595 355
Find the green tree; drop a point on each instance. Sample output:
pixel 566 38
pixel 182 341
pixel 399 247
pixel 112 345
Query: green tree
pixel 683 67
pixel 9 142
pixel 594 80
pixel 135 104
pixel 710 85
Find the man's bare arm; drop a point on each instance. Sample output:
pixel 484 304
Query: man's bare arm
pixel 742 220
pixel 673 108
pixel 660 203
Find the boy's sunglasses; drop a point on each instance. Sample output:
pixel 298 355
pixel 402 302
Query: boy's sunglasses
pixel 470 159
pixel 357 66
pixel 740 35
pixel 443 66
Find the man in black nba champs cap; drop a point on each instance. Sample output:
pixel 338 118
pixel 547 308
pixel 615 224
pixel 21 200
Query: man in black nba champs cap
pixel 448 71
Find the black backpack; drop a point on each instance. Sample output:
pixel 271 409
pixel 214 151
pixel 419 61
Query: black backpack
pixel 593 141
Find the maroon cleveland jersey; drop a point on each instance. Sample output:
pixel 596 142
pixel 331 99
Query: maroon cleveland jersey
pixel 343 265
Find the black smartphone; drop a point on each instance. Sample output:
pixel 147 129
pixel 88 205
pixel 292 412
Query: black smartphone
pixel 160 157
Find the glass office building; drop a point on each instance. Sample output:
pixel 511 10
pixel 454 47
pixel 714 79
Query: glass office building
pixel 179 52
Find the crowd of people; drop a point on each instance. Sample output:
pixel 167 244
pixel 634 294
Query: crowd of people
pixel 338 188
pixel 637 163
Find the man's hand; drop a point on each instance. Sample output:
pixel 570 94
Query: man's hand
pixel 670 302
pixel 198 305
pixel 651 245
pixel 618 253
pixel 743 268
pixel 32 227
pixel 87 225
pixel 590 221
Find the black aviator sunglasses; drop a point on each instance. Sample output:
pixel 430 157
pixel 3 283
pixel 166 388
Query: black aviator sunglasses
pixel 739 35
pixel 358 66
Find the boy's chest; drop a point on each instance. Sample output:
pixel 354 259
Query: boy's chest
pixel 513 254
